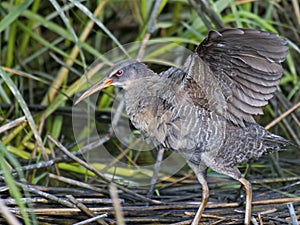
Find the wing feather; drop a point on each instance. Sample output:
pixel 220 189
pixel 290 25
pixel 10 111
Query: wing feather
pixel 237 71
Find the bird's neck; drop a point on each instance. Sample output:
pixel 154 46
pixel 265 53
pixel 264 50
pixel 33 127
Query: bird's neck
pixel 140 99
pixel 141 90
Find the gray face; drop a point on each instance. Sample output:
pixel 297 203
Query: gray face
pixel 121 75
pixel 125 72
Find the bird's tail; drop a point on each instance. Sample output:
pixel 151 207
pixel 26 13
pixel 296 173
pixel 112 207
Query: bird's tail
pixel 274 142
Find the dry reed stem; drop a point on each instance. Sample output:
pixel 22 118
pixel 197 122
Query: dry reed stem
pixel 84 209
pixel 96 172
pixel 73 55
pixel 282 116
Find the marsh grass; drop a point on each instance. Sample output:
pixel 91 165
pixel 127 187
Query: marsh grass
pixel 47 47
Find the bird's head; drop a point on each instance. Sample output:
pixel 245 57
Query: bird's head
pixel 120 75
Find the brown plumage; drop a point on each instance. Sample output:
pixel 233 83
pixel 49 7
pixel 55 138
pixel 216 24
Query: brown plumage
pixel 205 109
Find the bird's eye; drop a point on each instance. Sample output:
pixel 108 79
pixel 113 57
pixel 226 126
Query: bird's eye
pixel 119 73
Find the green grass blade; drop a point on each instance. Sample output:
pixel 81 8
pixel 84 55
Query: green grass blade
pixel 26 36
pixel 99 23
pixel 70 28
pixel 23 105
pixel 10 182
pixel 14 14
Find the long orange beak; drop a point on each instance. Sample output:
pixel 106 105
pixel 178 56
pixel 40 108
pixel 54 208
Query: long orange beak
pixel 106 82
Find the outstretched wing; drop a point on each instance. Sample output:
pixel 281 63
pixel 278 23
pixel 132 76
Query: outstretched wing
pixel 234 72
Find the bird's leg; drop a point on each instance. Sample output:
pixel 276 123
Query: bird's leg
pixel 201 172
pixel 236 174
pixel 155 172
pixel 248 188
pixel 205 196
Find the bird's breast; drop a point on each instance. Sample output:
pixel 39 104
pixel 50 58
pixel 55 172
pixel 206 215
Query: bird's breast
pixel 176 125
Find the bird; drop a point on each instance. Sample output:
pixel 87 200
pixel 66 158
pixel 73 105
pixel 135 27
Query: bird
pixel 206 109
